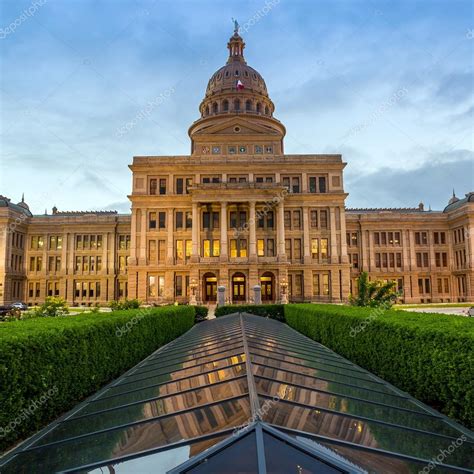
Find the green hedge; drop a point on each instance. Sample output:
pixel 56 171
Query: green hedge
pixel 273 311
pixel 47 365
pixel 201 313
pixel 430 356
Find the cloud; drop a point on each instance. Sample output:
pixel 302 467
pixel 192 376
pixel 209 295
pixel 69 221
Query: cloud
pixel 431 183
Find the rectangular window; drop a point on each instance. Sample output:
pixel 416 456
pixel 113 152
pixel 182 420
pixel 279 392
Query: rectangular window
pixel 288 248
pixel 179 220
pixel 179 186
pixel 189 248
pixel 178 285
pixel 162 186
pixel 399 260
pixel 296 219
pixel 355 260
pixel 287 219
pixel 325 284
pixel 295 185
pixel 314 219
pixel 189 220
pixel 316 286
pixel 206 246
pixel 216 248
pixel 323 217
pixel 378 262
pixel 180 249
pixel 314 248
pixel 206 220
pixel 152 250
pixel 152 220
pixel 162 220
pixel 312 184
pixel 261 247
pixel 161 250
pixel 270 248
pixel 322 184
pixel 297 249
pixel 153 186
pixel 324 248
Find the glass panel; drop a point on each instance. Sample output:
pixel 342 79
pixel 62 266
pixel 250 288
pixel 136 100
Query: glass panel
pixel 177 360
pixel 355 407
pixel 143 411
pixel 334 387
pixel 315 372
pixel 169 388
pixel 282 458
pixel 371 461
pixel 124 441
pixel 240 457
pixel 126 385
pixel 367 433
pixel 350 371
pixel 157 463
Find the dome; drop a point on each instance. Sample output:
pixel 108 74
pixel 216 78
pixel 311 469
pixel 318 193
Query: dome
pixel 236 69
pixel 236 87
pixel 23 204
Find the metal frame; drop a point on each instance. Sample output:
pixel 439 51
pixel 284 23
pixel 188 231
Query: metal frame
pixel 249 330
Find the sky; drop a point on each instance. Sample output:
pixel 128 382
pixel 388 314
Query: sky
pixel 86 85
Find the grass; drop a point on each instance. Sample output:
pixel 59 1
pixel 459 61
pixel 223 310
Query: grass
pixel 433 305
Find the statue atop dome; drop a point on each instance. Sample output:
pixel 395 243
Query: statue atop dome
pixel 236 26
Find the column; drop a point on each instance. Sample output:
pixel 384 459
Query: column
pixel 170 243
pixel 252 233
pixel 306 240
pixel 195 233
pixel 224 251
pixel 334 253
pixel 133 239
pixel 281 232
pixel 344 257
pixel 143 227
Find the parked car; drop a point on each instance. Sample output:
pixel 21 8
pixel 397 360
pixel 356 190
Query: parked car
pixel 4 310
pixel 19 305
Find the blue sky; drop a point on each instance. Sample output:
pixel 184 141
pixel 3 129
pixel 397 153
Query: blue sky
pixel 389 84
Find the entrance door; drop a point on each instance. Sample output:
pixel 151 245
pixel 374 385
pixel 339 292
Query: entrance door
pixel 210 287
pixel 266 283
pixel 238 287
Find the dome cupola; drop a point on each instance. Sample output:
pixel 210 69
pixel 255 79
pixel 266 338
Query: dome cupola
pixel 236 91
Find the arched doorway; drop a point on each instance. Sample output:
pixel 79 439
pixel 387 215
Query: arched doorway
pixel 209 287
pixel 267 283
pixel 238 287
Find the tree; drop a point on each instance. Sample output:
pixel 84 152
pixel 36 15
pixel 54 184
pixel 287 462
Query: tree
pixel 374 293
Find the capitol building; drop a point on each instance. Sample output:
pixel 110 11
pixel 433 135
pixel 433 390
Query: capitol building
pixel 237 213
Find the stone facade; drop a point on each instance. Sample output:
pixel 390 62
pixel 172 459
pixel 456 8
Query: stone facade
pixel 236 213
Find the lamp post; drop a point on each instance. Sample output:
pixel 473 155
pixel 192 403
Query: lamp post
pixel 193 285
pixel 283 287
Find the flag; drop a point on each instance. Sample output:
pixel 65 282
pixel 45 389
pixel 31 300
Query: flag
pixel 239 86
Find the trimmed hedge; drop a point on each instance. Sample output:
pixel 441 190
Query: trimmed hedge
pixel 273 311
pixel 430 356
pixel 201 313
pixel 47 365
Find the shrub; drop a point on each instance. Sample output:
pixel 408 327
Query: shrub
pixel 52 307
pixel 48 364
pixel 430 356
pixel 374 293
pixel 124 304
pixel 201 313
pixel 273 311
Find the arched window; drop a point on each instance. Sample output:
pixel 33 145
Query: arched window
pixel 215 108
pixel 225 105
pixel 207 110
pixel 248 105
pixel 237 104
pixel 267 110
pixel 259 107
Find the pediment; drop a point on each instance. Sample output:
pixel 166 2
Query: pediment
pixel 228 128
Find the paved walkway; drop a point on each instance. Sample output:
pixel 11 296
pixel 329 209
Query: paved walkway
pixel 212 311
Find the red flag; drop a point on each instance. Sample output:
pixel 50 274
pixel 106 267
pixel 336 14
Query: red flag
pixel 239 86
